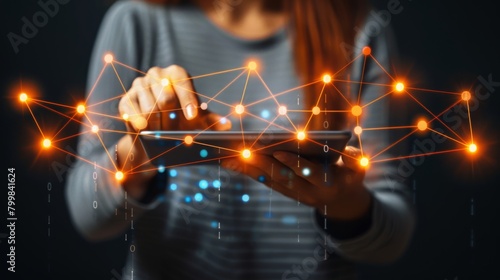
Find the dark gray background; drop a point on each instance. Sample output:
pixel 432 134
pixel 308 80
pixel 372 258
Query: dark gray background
pixel 442 45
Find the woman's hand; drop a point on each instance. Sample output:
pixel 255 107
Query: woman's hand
pixel 339 187
pixel 147 106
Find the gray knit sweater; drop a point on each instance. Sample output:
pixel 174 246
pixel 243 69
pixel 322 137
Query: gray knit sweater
pixel 235 228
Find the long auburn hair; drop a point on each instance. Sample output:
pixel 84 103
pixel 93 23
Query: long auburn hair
pixel 320 30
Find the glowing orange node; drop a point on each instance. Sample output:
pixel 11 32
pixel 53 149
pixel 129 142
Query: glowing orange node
pixel 23 97
pixel 399 87
pixel 282 110
pixel 80 109
pixel 327 78
pixel 204 106
pixel 364 161
pixel 108 58
pixel 239 109
pixel 358 130
pixel 46 143
pixel 252 65
pixel 165 82
pixel 119 176
pixel 188 140
pixel 125 116
pixel 95 128
pixel 301 135
pixel 246 153
pixel 422 125
pixel 466 96
pixel 472 148
pixel 356 110
pixel 316 110
pixel 367 50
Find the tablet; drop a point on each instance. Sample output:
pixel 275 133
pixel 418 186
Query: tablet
pixel 178 148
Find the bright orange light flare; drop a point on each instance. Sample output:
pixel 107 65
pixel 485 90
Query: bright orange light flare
pixel 165 82
pixel 252 65
pixel 422 125
pixel 358 130
pixel 119 176
pixel 125 117
pixel 95 128
pixel 301 135
pixel 364 161
pixel 108 58
pixel 327 78
pixel 472 148
pixel 80 109
pixel 356 110
pixel 282 110
pixel 246 153
pixel 367 50
pixel 46 143
pixel 399 87
pixel 188 140
pixel 316 110
pixel 466 96
pixel 239 109
pixel 204 106
pixel 23 97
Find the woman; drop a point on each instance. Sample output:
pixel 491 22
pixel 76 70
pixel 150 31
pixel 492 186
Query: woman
pixel 268 234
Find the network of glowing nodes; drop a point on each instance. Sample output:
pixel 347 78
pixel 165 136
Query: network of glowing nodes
pixel 356 111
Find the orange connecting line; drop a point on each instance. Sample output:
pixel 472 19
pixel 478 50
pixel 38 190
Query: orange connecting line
pixel 355 110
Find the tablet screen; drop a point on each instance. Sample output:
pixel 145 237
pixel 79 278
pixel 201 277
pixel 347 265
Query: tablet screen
pixel 178 148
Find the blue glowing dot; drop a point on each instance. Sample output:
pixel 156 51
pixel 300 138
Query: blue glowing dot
pixel 216 184
pixel 223 120
pixel 306 171
pixel 161 168
pixel 265 114
pixel 187 199
pixel 214 224
pixel 203 153
pixel 289 220
pixel 245 198
pixel 173 172
pixel 172 116
pixel 203 184
pixel 262 178
pixel 157 135
pixel 198 197
pixel 173 186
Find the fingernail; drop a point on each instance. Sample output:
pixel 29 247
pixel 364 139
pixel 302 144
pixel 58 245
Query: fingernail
pixel 190 111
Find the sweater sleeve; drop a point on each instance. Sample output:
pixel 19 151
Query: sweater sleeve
pixel 97 203
pixel 385 233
